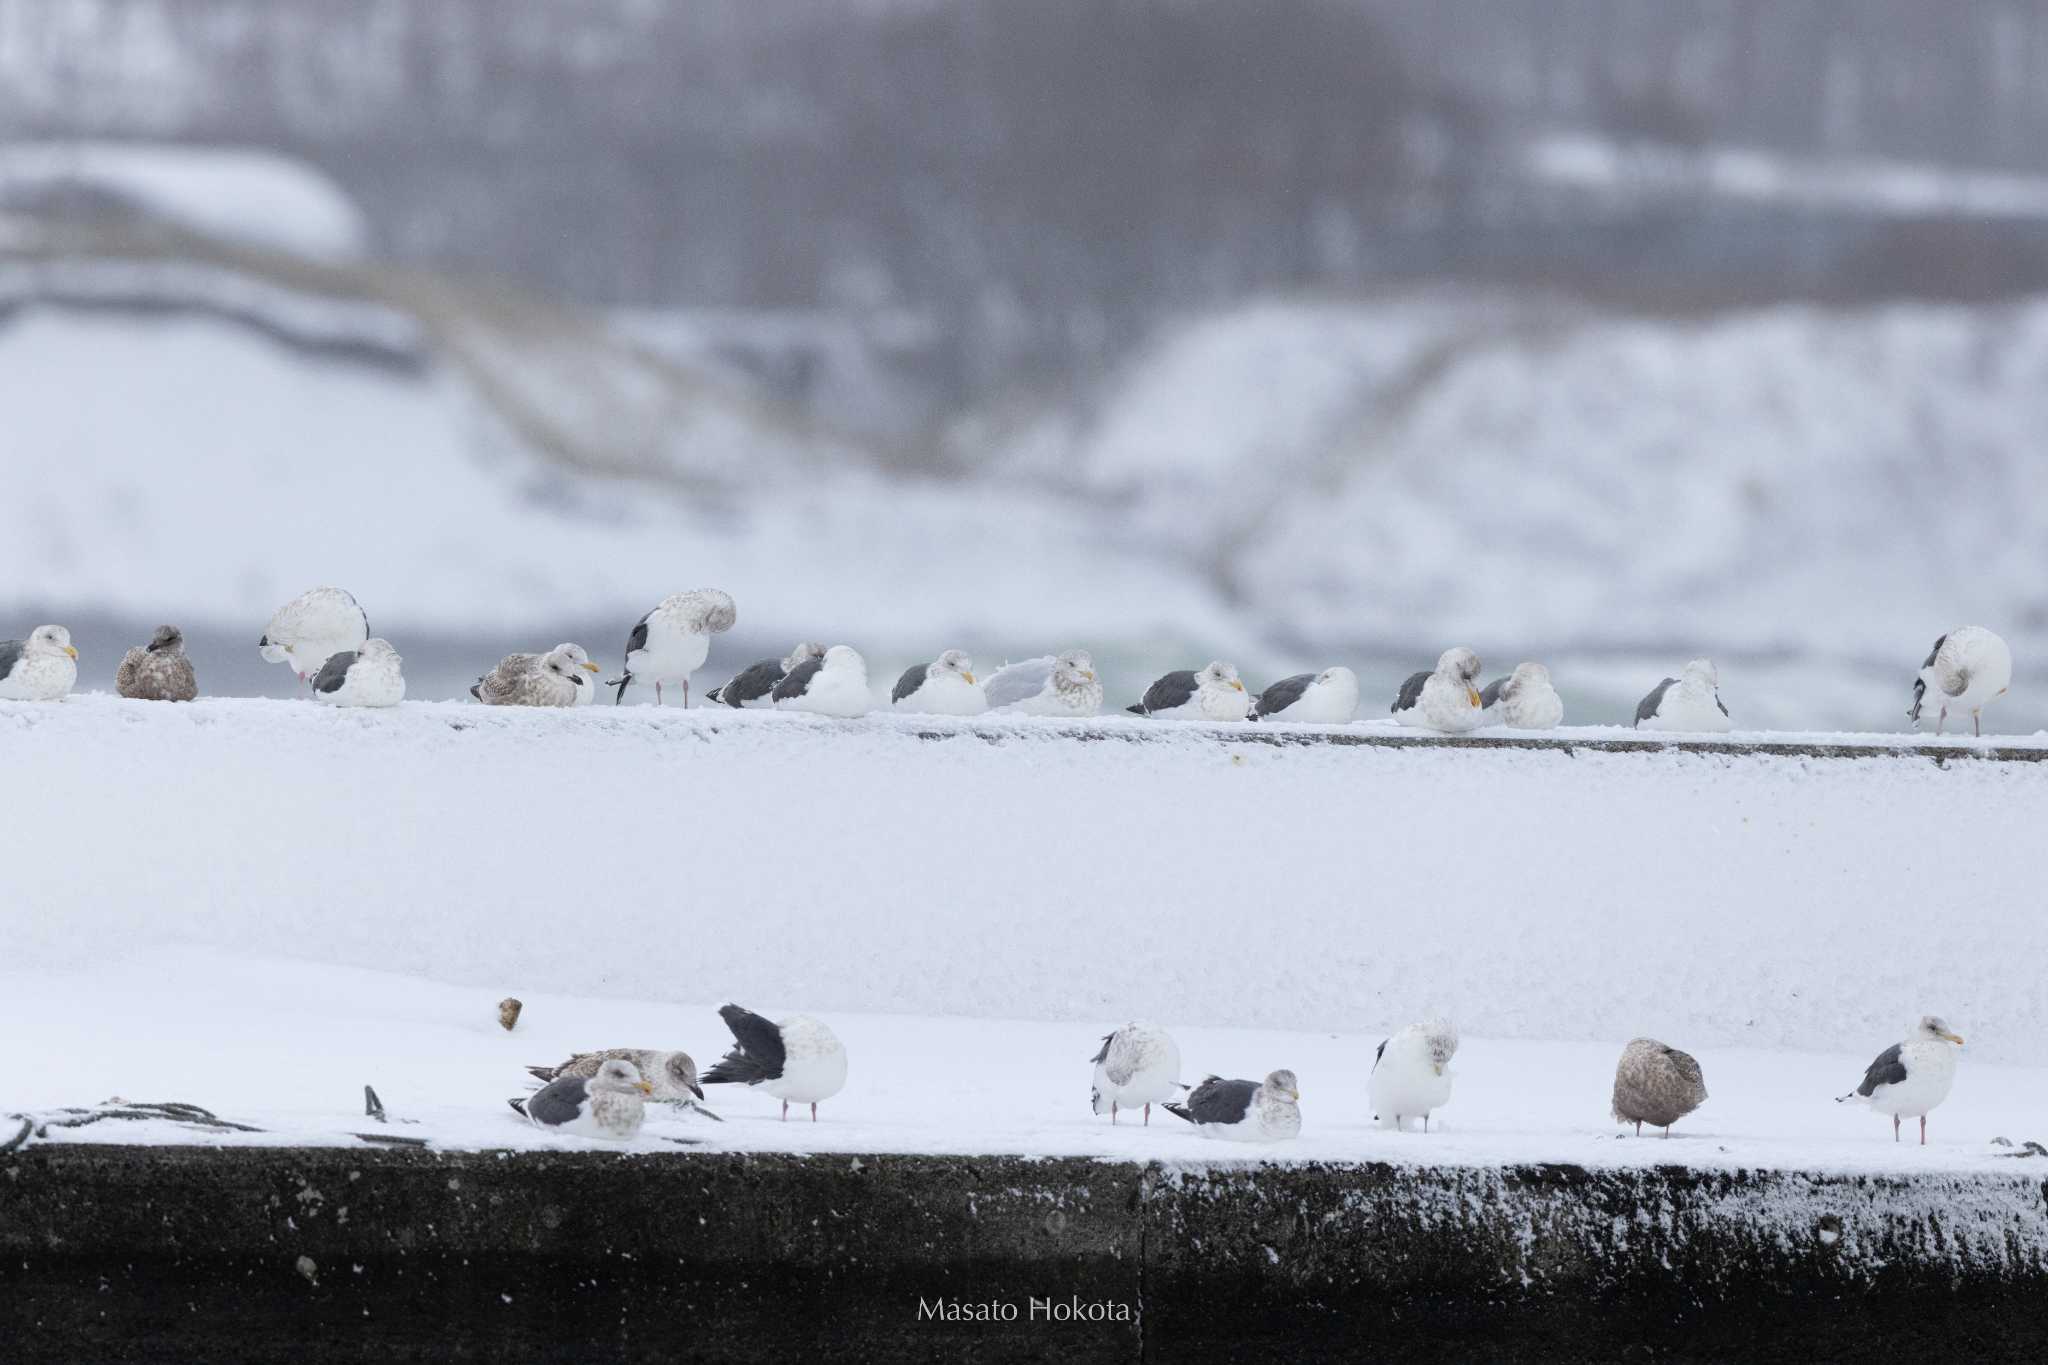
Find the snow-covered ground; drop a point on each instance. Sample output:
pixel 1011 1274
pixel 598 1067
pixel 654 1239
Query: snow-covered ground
pixel 210 883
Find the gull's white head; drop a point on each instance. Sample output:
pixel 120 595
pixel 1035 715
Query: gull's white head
pixel 1701 673
pixel 708 611
pixel 1339 676
pixel 1073 668
pixel 379 648
pixel 845 659
pixel 1458 664
pixel 1283 1085
pixel 1527 675
pixel 51 640
pixel 805 650
pixel 620 1077
pixel 1440 1038
pixel 565 661
pixel 953 663
pixel 1934 1028
pixel 1219 674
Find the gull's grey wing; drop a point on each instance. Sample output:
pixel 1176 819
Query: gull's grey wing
pixel 638 639
pixel 10 655
pixel 1888 1069
pixel 1219 1101
pixel 1283 694
pixel 1411 693
pixel 798 680
pixel 751 683
pixel 1019 681
pixel 558 1101
pixel 1935 652
pixel 912 679
pixel 1647 707
pixel 758 1054
pixel 334 672
pixel 1490 694
pixel 1170 691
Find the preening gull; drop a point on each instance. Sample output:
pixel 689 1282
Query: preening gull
pixel 944 687
pixel 41 668
pixel 671 642
pixel 611 1104
pixel 551 679
pixel 1326 698
pixel 1657 1085
pixel 798 1059
pixel 1213 693
pixel 834 685
pixel 1910 1078
pixel 1524 700
pixel 1245 1111
pixel 754 685
pixel 157 671
pixel 672 1075
pixel 1049 685
pixel 312 627
pixel 1967 667
pixel 1447 699
pixel 371 676
pixel 1139 1064
pixel 1690 702
pixel 1411 1073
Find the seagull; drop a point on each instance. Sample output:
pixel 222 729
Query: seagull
pixel 1214 693
pixel 1411 1072
pixel 159 670
pixel 1657 1085
pixel 670 642
pixel 1447 699
pixel 311 627
pixel 834 685
pixel 371 676
pixel 754 685
pixel 1139 1065
pixel 1690 702
pixel 1049 685
pixel 798 1059
pixel 41 668
pixel 1524 700
pixel 1245 1111
pixel 551 679
pixel 1911 1077
pixel 944 687
pixel 1968 667
pixel 672 1075
pixel 1326 698
pixel 610 1104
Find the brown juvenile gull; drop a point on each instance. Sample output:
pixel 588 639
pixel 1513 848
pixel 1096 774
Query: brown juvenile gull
pixel 313 627
pixel 551 679
pixel 610 1104
pixel 41 668
pixel 671 642
pixel 159 670
pixel 672 1074
pixel 1657 1085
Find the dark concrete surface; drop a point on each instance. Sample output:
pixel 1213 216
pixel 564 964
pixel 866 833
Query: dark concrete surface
pixel 265 1254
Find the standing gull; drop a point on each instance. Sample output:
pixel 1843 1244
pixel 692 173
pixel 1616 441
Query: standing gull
pixel 1411 1073
pixel 1967 667
pixel 41 668
pixel 944 687
pixel 1049 685
pixel 1326 698
pixel 1657 1085
pixel 1245 1111
pixel 798 1059
pixel 1139 1064
pixel 1524 700
pixel 551 679
pixel 311 627
pixel 371 676
pixel 834 685
pixel 157 671
pixel 610 1104
pixel 672 1075
pixel 1689 703
pixel 671 642
pixel 1447 699
pixel 1911 1077
pixel 1212 693
pixel 754 685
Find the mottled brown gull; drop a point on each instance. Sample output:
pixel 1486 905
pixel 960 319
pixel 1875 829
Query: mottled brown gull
pixel 1657 1085
pixel 157 671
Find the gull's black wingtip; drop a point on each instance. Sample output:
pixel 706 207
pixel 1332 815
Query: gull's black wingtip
pixel 518 1107
pixel 1178 1110
pixel 1135 710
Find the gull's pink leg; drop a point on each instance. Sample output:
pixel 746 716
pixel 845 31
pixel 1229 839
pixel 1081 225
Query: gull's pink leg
pixel 1639 1127
pixel 1112 1113
pixel 785 1111
pixel 1148 1115
pixel 686 694
pixel 1895 1127
pixel 1976 725
pixel 814 1111
pixel 1923 1130
pixel 1425 1123
pixel 657 694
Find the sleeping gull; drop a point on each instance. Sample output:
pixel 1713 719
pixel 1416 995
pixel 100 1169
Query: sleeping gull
pixel 943 687
pixel 798 1059
pixel 1411 1073
pixel 41 668
pixel 610 1104
pixel 1213 693
pixel 1326 698
pixel 1967 667
pixel 1657 1085
pixel 371 676
pixel 1447 699
pixel 834 685
pixel 551 679
pixel 672 1075
pixel 1911 1077
pixel 1049 685
pixel 754 685
pixel 312 626
pixel 671 642
pixel 1245 1111
pixel 1139 1064
pixel 1690 702
pixel 157 671
pixel 1524 700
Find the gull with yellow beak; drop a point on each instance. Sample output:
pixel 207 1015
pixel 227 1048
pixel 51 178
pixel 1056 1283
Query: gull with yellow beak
pixel 1446 699
pixel 944 687
pixel 1245 1111
pixel 1411 1073
pixel 551 679
pixel 1049 685
pixel 44 667
pixel 1910 1078
pixel 1212 693
pixel 611 1104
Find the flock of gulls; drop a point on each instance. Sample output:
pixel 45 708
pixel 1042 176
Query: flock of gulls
pixel 324 635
